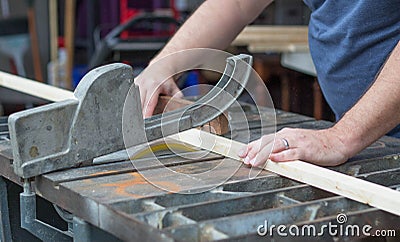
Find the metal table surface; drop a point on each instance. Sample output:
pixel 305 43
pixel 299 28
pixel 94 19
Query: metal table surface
pixel 115 198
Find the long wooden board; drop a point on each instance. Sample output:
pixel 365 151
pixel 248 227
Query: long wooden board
pixel 356 189
pixel 34 88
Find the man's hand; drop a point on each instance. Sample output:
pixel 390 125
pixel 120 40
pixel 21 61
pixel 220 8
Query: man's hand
pixel 151 87
pixel 321 147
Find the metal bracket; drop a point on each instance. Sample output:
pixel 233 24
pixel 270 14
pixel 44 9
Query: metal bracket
pixel 67 133
pixel 36 227
pixel 78 229
pixel 85 232
pixel 5 228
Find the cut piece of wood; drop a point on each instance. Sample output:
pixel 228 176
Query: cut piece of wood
pixel 219 125
pixel 353 188
pixel 168 103
pixel 34 88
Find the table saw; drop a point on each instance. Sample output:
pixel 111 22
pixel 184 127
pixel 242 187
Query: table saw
pixel 111 201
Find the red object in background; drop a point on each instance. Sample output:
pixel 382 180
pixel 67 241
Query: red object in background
pixel 61 42
pixel 13 67
pixel 131 8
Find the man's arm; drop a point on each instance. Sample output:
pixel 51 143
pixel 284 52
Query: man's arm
pixel 376 113
pixel 213 25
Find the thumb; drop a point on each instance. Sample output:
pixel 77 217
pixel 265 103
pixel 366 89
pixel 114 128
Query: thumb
pixel 150 104
pixel 173 90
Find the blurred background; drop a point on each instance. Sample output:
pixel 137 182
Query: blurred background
pixel 58 41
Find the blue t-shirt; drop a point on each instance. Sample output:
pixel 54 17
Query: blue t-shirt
pixel 349 42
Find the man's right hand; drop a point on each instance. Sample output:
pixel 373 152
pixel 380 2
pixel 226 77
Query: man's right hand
pixel 150 89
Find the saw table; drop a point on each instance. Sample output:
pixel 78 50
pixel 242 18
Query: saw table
pixel 111 201
pixel 114 197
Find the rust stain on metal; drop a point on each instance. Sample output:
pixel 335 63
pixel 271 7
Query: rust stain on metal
pixel 103 173
pixel 34 151
pixel 139 184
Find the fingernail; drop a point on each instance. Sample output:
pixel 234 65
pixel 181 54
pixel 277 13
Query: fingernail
pixel 253 161
pixel 246 160
pixel 241 152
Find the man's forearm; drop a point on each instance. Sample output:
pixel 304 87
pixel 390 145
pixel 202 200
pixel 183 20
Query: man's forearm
pixel 377 112
pixel 214 25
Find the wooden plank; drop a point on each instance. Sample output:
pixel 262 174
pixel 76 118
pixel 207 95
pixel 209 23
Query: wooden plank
pixel 69 29
pixel 34 88
pixel 265 33
pixel 37 66
pixel 53 27
pixel 273 38
pixel 168 103
pixel 277 47
pixel 356 189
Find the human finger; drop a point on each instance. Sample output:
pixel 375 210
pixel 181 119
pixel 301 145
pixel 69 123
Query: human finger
pixel 287 155
pixel 173 90
pixel 150 103
pixel 262 155
pixel 254 148
pixel 281 144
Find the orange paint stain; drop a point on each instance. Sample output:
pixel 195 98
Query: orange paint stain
pixel 139 184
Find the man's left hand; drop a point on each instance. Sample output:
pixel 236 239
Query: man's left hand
pixel 321 147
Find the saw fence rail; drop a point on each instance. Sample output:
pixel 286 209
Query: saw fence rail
pixel 111 201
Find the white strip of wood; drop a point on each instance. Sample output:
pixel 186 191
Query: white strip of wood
pixel 353 188
pixel 34 88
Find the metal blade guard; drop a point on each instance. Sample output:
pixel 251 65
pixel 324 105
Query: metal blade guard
pixel 67 133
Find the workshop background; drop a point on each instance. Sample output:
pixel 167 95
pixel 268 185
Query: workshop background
pixel 57 42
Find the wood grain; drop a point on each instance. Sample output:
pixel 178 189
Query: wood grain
pixel 353 188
